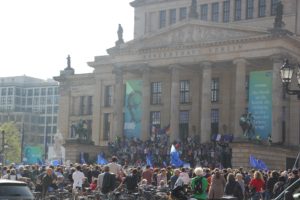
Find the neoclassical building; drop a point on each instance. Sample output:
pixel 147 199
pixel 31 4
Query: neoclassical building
pixel 194 67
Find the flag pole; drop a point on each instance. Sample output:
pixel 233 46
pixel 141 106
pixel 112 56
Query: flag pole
pixel 296 161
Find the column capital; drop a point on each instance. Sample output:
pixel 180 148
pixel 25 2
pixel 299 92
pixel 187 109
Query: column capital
pixel 175 67
pixel 206 64
pixel 279 58
pixel 237 61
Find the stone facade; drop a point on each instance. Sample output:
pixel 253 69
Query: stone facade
pixel 201 52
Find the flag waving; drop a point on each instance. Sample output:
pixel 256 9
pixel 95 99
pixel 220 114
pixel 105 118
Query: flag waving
pixel 174 156
pixel 101 160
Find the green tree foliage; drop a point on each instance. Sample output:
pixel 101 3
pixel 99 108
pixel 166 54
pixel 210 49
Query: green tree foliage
pixel 13 140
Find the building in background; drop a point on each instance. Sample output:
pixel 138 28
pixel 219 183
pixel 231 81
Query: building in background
pixel 194 67
pixel 32 104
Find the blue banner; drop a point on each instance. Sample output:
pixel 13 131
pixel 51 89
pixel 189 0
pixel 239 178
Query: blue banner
pixel 260 102
pixel 133 109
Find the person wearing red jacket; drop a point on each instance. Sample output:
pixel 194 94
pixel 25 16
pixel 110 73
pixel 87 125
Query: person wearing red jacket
pixel 257 184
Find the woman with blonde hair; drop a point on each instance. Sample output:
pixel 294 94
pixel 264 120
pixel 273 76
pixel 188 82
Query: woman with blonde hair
pixel 257 184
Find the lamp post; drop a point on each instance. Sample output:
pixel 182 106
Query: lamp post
pixel 286 73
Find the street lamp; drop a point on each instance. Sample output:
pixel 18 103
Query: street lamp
pixel 286 73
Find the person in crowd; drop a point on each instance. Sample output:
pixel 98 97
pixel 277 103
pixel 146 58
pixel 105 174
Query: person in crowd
pixel 47 180
pixel 185 177
pixel 279 186
pixel 240 181
pixel 131 181
pixel 162 176
pixel 93 185
pixel 233 188
pixel 106 181
pixel 174 178
pixel 271 180
pixel 154 176
pixel 216 190
pixel 199 185
pixel 147 174
pixel 257 184
pixel 12 175
pixel 116 168
pixel 78 178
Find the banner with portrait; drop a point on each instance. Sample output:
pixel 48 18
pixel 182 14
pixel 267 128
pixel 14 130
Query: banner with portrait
pixel 133 109
pixel 33 154
pixel 260 102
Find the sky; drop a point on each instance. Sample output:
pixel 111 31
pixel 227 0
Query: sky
pixel 37 35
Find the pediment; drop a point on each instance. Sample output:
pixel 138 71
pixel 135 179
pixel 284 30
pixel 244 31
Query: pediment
pixel 194 33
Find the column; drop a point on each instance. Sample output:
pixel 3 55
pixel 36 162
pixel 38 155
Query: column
pixel 65 103
pixel 292 124
pixel 206 103
pixel 276 100
pixel 96 127
pixel 118 105
pixel 174 111
pixel 239 95
pixel 145 104
pixel 232 11
pixel 243 11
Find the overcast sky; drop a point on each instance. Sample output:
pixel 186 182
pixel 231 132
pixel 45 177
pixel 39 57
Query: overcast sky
pixel 37 35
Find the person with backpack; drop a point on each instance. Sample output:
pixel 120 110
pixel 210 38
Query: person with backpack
pixel 199 185
pixel 233 188
pixel 131 181
pixel 279 186
pixel 106 181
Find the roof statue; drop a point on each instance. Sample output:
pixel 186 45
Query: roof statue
pixel 69 61
pixel 120 36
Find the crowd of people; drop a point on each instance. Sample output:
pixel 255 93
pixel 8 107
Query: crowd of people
pixel 202 183
pixel 134 151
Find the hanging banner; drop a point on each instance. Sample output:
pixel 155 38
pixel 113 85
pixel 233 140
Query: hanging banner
pixel 260 102
pixel 33 154
pixel 133 109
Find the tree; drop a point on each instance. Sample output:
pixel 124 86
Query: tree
pixel 12 139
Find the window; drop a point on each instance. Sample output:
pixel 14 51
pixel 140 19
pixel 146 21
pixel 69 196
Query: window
pixel 183 124
pixel 54 120
pixel 3 91
pixel 29 101
pixel 18 91
pixel 36 91
pixel 203 12
pixel 56 91
pixel 273 7
pixel 237 10
pixel 172 16
pixel 108 96
pixel 29 92
pixel 106 126
pixel 43 91
pixel 226 11
pixel 249 9
pixel 215 121
pixel 262 8
pixel 49 109
pixel 10 91
pixel 162 19
pixel 42 100
pixel 9 100
pixel 90 105
pixel 50 91
pixel 49 99
pixel 35 101
pixel 215 90
pixel 81 107
pixel 155 119
pixel 55 109
pixel 184 91
pixel 156 93
pixel 182 13
pixel 3 101
pixel 215 12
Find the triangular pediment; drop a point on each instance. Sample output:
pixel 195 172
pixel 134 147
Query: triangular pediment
pixel 194 32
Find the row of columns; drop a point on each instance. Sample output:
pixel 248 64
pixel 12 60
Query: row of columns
pixel 239 101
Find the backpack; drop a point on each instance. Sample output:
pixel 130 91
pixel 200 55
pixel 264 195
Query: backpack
pixel 108 183
pixel 131 182
pixel 198 186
